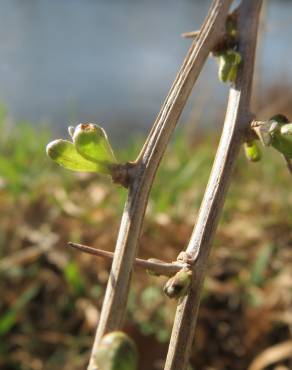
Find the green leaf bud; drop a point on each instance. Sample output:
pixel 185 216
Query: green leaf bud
pixel 283 145
pixel 228 65
pixel 117 351
pixel 252 151
pixel 281 138
pixel 178 285
pixel 92 143
pixel 65 154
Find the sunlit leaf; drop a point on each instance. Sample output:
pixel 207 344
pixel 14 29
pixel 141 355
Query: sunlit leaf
pixel 65 154
pixel 92 143
pixel 281 138
pixel 283 145
pixel 228 65
pixel 286 130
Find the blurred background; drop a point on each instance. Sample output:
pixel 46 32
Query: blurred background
pixel 112 62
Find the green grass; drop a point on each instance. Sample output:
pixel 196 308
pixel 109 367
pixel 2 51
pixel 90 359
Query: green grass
pixel 55 294
pixel 24 167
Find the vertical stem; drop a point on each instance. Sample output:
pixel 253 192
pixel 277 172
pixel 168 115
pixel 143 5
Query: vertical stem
pixel 236 121
pixel 115 301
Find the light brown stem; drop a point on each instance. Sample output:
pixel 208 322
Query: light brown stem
pixel 154 265
pixel 190 35
pixel 237 119
pixel 115 301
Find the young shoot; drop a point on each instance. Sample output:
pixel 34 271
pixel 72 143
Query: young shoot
pixel 281 135
pixel 229 61
pixel 179 284
pixel 117 351
pixel 252 151
pixel 90 150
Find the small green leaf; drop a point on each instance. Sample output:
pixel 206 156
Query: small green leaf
pixel 286 130
pixel 92 143
pixel 228 65
pixel 224 69
pixel 283 145
pixel 252 151
pixel 65 154
pixel 281 138
pixel 116 351
pixel 232 74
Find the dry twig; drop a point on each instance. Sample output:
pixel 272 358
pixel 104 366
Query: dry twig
pixel 238 117
pixel 142 175
pixel 190 35
pixel 153 264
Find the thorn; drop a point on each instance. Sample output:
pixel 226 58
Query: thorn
pixel 190 35
pixel 154 265
pixel 90 250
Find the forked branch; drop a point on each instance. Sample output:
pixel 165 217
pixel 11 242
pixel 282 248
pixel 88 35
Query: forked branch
pixel 115 301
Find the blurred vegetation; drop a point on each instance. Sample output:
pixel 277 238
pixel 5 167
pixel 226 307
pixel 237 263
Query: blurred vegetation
pixel 51 296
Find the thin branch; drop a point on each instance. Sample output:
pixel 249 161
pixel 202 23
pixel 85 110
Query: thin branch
pixel 237 119
pixel 115 301
pixel 190 35
pixel 157 266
